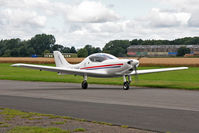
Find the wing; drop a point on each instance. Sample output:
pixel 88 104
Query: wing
pixel 158 70
pixel 62 70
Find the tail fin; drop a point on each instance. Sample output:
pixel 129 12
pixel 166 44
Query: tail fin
pixel 60 61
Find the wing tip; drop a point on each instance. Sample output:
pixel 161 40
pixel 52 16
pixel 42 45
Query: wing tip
pixel 185 67
pixel 15 65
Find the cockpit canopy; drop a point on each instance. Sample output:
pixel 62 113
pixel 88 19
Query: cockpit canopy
pixel 99 57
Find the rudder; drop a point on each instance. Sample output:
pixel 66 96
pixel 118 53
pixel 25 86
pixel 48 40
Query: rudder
pixel 60 61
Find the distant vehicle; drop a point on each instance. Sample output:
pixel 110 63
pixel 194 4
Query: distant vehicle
pixel 98 65
pixel 34 56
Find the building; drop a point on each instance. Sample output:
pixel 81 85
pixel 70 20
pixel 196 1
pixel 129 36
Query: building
pixel 66 55
pixel 158 50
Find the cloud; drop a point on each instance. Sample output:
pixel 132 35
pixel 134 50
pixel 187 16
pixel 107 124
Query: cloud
pixel 182 5
pixel 90 12
pixel 186 6
pixel 83 22
pixel 167 18
pixel 16 22
pixel 17 17
pixel 194 20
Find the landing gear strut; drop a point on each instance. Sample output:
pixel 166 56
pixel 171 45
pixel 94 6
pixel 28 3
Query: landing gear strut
pixel 84 83
pixel 126 83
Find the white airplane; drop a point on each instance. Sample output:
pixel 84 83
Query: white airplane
pixel 98 65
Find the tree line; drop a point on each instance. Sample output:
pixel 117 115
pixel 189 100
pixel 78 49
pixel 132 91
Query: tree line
pixel 37 45
pixel 119 47
pixel 43 43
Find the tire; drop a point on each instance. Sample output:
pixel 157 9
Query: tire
pixel 126 86
pixel 84 84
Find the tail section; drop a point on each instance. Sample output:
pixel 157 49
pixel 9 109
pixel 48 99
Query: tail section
pixel 60 61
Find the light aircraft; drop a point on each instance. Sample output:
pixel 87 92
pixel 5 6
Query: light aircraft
pixel 98 65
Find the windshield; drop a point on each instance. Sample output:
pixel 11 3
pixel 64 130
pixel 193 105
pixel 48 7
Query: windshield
pixel 100 57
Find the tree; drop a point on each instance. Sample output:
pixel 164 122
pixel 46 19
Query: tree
pixel 46 51
pixel 66 50
pixel 89 48
pixel 73 50
pixel 14 52
pixel 136 42
pixel 57 47
pixel 183 50
pixel 97 50
pixel 92 50
pixel 7 53
pixel 117 47
pixel 12 43
pixel 82 52
pixel 42 42
pixel 30 51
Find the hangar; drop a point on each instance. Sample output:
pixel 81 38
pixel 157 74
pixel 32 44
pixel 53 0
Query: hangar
pixel 158 50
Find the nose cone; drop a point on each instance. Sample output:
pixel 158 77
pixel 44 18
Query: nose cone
pixel 133 62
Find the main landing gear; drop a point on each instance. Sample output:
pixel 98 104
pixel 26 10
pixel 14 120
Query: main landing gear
pixel 126 83
pixel 84 83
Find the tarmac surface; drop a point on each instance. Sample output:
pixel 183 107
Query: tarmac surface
pixel 144 108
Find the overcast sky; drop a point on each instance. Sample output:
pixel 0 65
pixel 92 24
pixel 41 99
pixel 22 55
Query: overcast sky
pixel 96 22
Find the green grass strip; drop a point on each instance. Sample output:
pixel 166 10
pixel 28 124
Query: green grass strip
pixel 34 129
pixel 183 79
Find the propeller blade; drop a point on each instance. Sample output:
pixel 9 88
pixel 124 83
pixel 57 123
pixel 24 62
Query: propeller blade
pixel 136 75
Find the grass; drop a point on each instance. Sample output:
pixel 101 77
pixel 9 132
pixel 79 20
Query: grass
pixel 58 122
pixel 124 126
pixel 29 129
pixel 5 125
pixel 1 122
pixel 67 117
pixel 184 79
pixel 102 123
pixel 79 130
pixel 12 113
pixel 53 116
pixel 34 129
pixel 27 116
pixel 38 118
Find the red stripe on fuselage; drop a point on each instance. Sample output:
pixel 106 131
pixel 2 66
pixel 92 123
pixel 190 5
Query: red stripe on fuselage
pixel 102 66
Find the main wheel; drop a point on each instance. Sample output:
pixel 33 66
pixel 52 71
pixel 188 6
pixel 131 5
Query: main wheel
pixel 84 84
pixel 126 85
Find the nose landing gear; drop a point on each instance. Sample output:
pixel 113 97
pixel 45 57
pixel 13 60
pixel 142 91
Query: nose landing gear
pixel 126 83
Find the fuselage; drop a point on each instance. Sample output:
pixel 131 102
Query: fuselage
pixel 108 64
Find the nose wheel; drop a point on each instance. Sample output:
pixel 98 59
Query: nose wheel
pixel 126 84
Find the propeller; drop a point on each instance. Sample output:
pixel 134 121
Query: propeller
pixel 134 64
pixel 135 68
pixel 136 74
